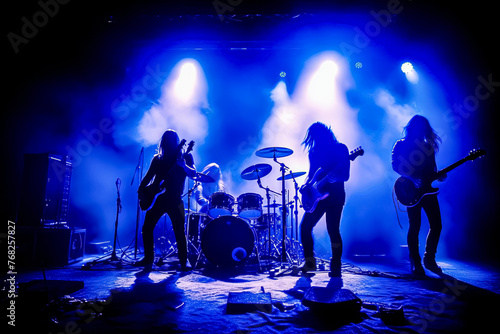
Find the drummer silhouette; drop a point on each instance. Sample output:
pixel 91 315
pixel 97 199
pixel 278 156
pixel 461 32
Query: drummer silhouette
pixel 328 158
pixel 169 168
pixel 203 191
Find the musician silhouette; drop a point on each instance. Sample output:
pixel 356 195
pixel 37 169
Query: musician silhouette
pixel 203 191
pixel 414 156
pixel 171 167
pixel 330 155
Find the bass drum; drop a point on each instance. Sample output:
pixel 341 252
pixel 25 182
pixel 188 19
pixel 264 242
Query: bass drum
pixel 227 241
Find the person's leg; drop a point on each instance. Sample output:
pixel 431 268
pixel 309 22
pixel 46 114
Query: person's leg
pixel 433 212
pixel 176 213
pixel 150 221
pixel 333 217
pixel 415 219
pixel 309 220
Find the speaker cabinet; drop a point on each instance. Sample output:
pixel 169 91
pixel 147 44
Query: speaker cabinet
pixel 51 247
pixel 45 190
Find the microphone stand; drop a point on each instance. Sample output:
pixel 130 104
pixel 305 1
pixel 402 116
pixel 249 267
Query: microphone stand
pixel 138 171
pixel 118 210
pixel 113 257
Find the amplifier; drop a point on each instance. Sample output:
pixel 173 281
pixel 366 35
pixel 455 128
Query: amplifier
pixel 51 247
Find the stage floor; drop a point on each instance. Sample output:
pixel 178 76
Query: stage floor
pixel 127 300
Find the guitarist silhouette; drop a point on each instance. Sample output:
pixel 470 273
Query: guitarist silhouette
pixel 167 172
pixel 414 157
pixel 331 159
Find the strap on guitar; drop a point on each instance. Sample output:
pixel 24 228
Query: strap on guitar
pixel 396 207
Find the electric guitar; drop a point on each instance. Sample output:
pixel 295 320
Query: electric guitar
pixel 148 196
pixel 410 191
pixel 311 191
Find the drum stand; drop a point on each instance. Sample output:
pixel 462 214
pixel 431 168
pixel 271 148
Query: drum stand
pixel 190 243
pixel 268 197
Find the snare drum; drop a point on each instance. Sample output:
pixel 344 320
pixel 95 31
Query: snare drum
pixel 250 206
pixel 221 204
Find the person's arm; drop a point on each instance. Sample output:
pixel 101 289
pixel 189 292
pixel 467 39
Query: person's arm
pixel 399 162
pixel 149 175
pixel 198 195
pixel 187 163
pixel 344 164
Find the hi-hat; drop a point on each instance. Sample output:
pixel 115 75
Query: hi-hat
pixel 291 175
pixel 274 152
pixel 256 171
pixel 203 178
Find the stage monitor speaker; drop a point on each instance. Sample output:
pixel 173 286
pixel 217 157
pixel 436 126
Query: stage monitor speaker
pixel 242 302
pixel 342 303
pixel 45 190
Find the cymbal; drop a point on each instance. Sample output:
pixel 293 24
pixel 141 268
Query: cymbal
pixel 291 175
pixel 274 152
pixel 203 178
pixel 256 171
pixel 274 205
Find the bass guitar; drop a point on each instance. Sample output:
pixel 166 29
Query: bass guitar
pixel 410 192
pixel 148 196
pixel 311 191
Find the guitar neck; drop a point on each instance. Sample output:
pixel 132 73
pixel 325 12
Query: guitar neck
pixel 452 166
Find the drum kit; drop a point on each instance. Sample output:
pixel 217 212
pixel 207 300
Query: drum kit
pixel 232 230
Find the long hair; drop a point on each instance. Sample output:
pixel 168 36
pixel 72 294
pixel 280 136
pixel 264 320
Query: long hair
pixel 419 128
pixel 167 147
pixel 213 170
pixel 318 135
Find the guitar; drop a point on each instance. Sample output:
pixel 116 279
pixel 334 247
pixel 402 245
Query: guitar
pixel 148 196
pixel 311 191
pixel 410 191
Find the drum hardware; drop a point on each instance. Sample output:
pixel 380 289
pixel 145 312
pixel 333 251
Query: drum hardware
pixel 220 204
pixel 256 172
pixel 198 178
pixel 295 203
pixel 249 206
pixel 292 244
pixel 275 153
pixel 228 241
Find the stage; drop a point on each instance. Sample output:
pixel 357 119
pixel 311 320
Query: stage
pixel 92 88
pixel 128 300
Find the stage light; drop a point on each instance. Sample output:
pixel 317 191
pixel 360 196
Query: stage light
pixel 282 74
pixel 322 83
pixel 410 73
pixel 186 81
pixel 358 65
pixel 407 67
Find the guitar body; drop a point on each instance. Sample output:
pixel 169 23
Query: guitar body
pixel 311 195
pixel 311 191
pixel 410 194
pixel 149 195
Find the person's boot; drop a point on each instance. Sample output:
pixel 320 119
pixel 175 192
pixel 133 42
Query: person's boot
pixel 431 265
pixel 335 268
pixel 309 265
pixel 416 267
